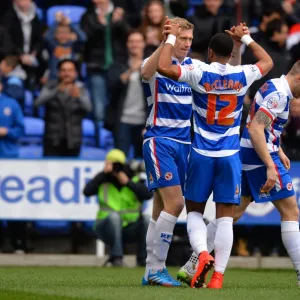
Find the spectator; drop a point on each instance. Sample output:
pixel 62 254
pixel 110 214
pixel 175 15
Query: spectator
pixel 106 29
pixel 11 129
pixel 275 44
pixel 270 13
pixel 13 78
pixel 67 102
pixel 119 191
pixel 26 31
pixel 63 42
pixel 126 114
pixel 209 19
pixel 6 43
pixel 11 126
pixel 292 10
pixel 152 24
pixel 291 133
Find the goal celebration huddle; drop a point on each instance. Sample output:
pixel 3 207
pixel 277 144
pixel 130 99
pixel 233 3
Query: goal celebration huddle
pixel 187 95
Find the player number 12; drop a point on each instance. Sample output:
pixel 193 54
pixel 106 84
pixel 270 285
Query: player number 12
pixel 223 119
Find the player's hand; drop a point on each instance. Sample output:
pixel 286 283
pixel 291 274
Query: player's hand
pixel 237 32
pixel 166 30
pixel 284 159
pixel 271 180
pixel 175 29
pixel 246 30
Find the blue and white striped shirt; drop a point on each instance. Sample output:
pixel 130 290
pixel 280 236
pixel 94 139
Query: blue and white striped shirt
pixel 218 93
pixel 169 106
pixel 273 98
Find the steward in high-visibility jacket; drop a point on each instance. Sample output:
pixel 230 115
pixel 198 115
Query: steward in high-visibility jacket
pixel 120 193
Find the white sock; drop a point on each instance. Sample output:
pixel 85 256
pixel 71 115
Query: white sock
pixel 150 245
pixel 211 235
pixel 291 239
pixel 197 232
pixel 223 243
pixel 162 238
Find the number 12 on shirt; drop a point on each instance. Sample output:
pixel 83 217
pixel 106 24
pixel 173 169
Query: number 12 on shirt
pixel 223 114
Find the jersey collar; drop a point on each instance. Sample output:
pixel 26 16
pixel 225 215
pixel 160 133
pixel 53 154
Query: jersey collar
pixel 177 61
pixel 287 87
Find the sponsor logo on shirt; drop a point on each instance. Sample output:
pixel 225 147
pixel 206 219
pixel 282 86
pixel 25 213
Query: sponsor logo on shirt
pixel 178 88
pixel 272 103
pixel 7 111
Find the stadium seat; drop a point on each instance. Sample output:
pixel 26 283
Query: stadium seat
pixel 106 139
pixel 28 105
pixel 92 153
pixel 88 133
pixel 31 151
pixel 49 227
pixel 34 131
pixel 73 12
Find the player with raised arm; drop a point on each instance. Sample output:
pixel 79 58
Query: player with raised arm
pixel 214 165
pixel 265 166
pixel 166 149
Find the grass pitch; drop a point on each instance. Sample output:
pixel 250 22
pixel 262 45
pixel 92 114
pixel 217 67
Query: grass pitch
pixel 41 283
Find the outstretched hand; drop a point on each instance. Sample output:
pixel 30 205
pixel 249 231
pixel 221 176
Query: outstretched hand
pixel 237 32
pixel 170 28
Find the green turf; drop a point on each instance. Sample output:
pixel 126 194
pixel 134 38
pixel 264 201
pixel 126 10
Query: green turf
pixel 110 283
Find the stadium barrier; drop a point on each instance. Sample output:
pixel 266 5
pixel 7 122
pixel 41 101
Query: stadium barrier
pixel 37 189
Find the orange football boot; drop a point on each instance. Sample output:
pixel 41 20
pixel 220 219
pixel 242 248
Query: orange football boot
pixel 216 281
pixel 206 262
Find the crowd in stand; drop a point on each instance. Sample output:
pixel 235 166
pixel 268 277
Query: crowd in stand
pixel 88 66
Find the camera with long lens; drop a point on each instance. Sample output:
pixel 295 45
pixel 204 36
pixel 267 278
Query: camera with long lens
pixel 118 167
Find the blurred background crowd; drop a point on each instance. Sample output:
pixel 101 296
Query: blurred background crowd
pixel 73 69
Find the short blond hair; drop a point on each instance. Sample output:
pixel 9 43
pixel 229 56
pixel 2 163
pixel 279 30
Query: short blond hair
pixel 183 23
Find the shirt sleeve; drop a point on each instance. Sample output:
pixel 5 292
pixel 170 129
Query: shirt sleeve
pixel 192 73
pixel 142 66
pixel 252 72
pixel 274 104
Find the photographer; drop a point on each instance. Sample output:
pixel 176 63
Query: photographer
pixel 120 192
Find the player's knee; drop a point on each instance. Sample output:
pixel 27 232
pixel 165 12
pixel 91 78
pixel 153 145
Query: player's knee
pixel 175 207
pixel 290 214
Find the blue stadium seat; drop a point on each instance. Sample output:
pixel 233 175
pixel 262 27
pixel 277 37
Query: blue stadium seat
pixel 28 105
pixel 49 227
pixel 73 12
pixel 31 151
pixel 88 133
pixel 34 131
pixel 106 139
pixel 92 153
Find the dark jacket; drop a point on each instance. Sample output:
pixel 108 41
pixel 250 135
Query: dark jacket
pixel 207 25
pixel 139 188
pixel 94 50
pixel 64 115
pixel 5 43
pixel 117 92
pixel 11 117
pixel 13 25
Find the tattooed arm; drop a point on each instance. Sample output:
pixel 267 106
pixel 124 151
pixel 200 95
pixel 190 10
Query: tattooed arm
pixel 258 139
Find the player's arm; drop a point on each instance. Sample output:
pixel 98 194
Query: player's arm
pixel 257 135
pixel 165 66
pixel 264 61
pixel 150 67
